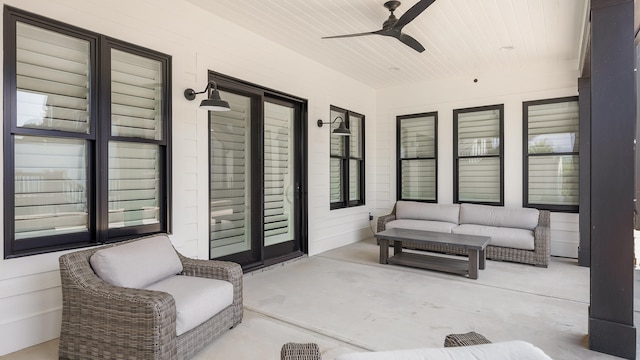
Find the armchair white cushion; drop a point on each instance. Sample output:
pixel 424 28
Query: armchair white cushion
pixel 510 350
pixel 197 299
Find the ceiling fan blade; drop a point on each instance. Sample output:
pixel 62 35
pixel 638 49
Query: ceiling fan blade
pixel 350 35
pixel 411 42
pixel 412 13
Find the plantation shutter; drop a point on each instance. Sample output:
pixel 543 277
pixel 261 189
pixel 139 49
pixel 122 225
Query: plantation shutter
pixel 52 78
pixel 50 186
pixel 337 153
pixel 479 156
pixel 133 184
pixel 50 173
pixel 417 158
pixel 136 96
pixel 230 176
pixel 553 161
pixel 278 177
pixel 355 157
pixel 136 113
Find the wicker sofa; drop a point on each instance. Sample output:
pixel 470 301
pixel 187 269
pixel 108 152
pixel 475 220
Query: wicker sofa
pixel 101 320
pixel 517 234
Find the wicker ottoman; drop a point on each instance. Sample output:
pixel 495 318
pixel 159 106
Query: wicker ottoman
pixel 470 338
pixel 296 351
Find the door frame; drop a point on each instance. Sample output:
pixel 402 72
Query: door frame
pixel 256 259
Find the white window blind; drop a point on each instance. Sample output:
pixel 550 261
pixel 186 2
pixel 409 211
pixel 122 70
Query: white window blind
pixel 553 128
pixel 479 179
pixel 136 112
pixel 554 180
pixel 479 133
pixel 419 179
pixel 52 81
pixel 354 180
pixel 134 173
pixel 478 161
pixel 553 161
pixel 136 96
pixel 417 137
pixel 337 152
pixel 52 78
pixel 50 186
pixel 278 177
pixel 335 179
pixel 230 176
pixel 417 158
pixel 355 157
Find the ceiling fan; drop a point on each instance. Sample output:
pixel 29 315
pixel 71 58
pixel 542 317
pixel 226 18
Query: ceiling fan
pixel 393 26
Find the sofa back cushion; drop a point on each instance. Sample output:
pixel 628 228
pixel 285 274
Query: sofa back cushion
pixel 138 263
pixel 521 218
pixel 426 211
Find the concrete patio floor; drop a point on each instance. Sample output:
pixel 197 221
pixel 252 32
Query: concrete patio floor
pixel 345 301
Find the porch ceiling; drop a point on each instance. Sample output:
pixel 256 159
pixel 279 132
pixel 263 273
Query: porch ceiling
pixel 461 37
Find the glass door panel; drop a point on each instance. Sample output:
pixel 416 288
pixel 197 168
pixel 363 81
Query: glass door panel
pixel 230 177
pixel 278 173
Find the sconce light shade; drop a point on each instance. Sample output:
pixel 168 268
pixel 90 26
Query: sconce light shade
pixel 342 129
pixel 213 101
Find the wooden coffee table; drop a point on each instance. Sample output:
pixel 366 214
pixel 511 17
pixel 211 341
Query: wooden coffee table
pixel 475 246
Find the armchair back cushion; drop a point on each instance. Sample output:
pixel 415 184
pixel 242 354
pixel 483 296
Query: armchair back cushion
pixel 137 264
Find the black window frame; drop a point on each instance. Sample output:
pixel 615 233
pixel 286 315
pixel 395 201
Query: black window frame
pixel 456 157
pixel 98 140
pixel 399 159
pixel 344 161
pixel 525 155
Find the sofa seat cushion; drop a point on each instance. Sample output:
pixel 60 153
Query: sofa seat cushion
pixel 426 211
pixel 439 226
pixel 521 218
pixel 197 299
pixel 507 350
pixel 138 263
pixel 505 237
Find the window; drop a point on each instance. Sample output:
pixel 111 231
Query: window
pixel 86 140
pixel 417 157
pixel 478 168
pixel 551 163
pixel 347 160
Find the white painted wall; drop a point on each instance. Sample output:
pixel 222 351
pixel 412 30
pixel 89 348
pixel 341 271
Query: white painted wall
pixel 510 88
pixel 30 297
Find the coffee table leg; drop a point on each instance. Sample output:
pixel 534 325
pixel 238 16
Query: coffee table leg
pixel 384 250
pixel 474 257
pixel 397 247
pixel 483 259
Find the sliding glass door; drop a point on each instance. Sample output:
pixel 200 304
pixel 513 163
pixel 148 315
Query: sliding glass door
pixel 256 197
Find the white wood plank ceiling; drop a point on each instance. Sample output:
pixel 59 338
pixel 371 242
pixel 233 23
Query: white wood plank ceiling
pixel 461 37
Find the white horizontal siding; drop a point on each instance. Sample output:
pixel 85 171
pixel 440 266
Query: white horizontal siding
pixel 565 235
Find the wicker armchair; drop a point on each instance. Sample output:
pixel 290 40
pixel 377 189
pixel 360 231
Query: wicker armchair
pixel 103 321
pixel 539 256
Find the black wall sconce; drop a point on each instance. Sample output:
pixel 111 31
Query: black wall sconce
pixel 213 102
pixel 341 130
